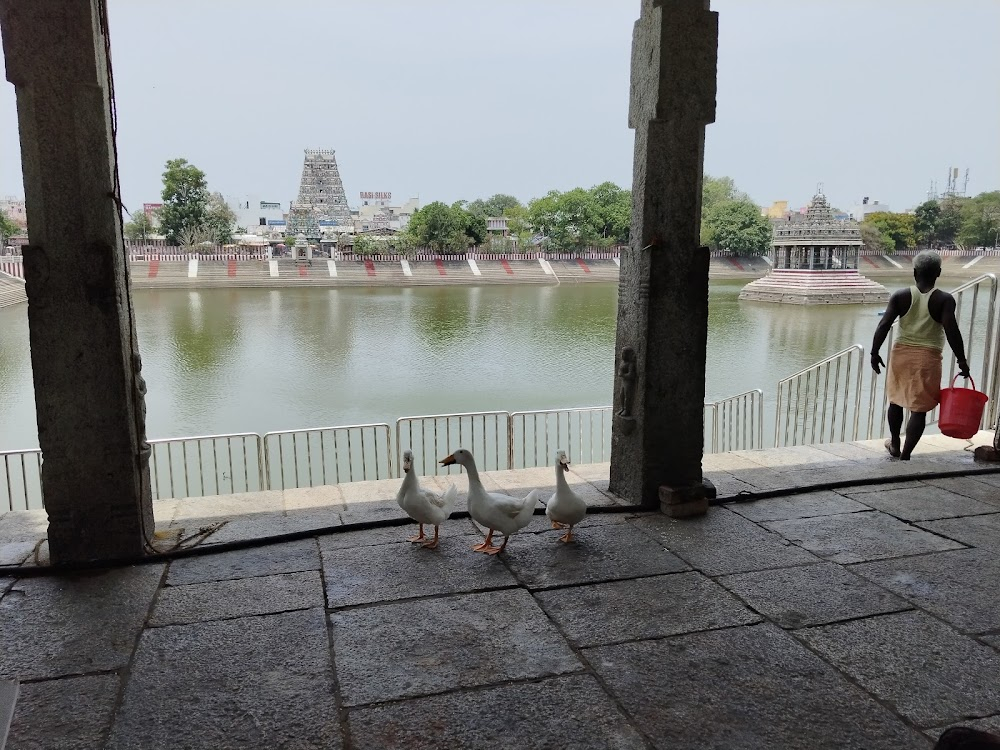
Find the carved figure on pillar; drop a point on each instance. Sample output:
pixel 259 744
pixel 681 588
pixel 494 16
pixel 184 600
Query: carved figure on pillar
pixel 626 381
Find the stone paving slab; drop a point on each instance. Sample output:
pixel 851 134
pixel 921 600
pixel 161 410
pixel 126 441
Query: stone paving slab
pixel 921 502
pixel 192 512
pixel 243 597
pixel 427 646
pixel 5 584
pixel 859 537
pixel 746 688
pixel 723 542
pixel 68 625
pixel 559 712
pixel 290 557
pixel 973 487
pixel 811 595
pixel 598 553
pixel 986 724
pixel 253 682
pixel 653 607
pixel 726 485
pixel 15 553
pixel 992 479
pixel 24 526
pixel 789 457
pixel 68 714
pixel 930 673
pixel 804 505
pixel 976 531
pixel 327 496
pixel 374 537
pixel 960 587
pixel 363 575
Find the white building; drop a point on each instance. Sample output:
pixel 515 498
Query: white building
pixel 15 210
pixel 867 206
pixel 378 211
pixel 257 215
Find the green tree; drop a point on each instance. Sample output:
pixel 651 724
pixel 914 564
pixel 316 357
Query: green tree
pixel 925 221
pixel 715 191
pixel 981 221
pixel 7 229
pixel 219 219
pixel 440 226
pixel 896 229
pixel 499 205
pixel 138 228
pixel 950 219
pixel 185 199
pixel 568 221
pixel 873 240
pixel 613 211
pixel 474 225
pixel 737 226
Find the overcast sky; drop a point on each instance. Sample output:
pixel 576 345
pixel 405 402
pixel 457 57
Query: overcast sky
pixel 448 100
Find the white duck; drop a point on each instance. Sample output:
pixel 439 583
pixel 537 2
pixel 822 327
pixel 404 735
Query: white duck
pixel 492 510
pixel 423 506
pixel 565 507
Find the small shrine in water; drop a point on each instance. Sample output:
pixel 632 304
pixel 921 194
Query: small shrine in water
pixel 814 261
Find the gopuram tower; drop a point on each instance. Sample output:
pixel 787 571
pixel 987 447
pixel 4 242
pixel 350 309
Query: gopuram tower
pixel 321 195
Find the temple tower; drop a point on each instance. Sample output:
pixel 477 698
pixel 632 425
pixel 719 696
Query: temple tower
pixel 322 188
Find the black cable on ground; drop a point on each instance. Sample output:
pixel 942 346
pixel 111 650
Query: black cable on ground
pixel 18 571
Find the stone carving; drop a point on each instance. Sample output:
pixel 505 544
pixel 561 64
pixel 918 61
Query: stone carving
pixel 626 381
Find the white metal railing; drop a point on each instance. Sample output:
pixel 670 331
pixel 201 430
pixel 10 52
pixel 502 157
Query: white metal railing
pixel 584 433
pixel 21 479
pixel 735 423
pixel 205 465
pixel 433 436
pixel 821 403
pixel 327 455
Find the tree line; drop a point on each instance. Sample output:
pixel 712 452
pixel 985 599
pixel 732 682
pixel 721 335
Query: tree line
pixel 953 221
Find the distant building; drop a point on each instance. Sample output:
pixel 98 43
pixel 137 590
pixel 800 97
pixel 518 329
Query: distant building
pixel 15 210
pixel 257 215
pixel 378 212
pixel 858 213
pixel 777 210
pixel 497 225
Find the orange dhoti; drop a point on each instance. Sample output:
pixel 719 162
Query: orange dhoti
pixel 913 380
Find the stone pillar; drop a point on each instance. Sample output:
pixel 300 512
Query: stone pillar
pixel 658 428
pixel 89 393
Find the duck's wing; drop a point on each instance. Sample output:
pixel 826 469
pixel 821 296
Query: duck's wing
pixel 507 505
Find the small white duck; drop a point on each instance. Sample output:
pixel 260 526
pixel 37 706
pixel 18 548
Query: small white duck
pixel 565 507
pixel 493 510
pixel 423 506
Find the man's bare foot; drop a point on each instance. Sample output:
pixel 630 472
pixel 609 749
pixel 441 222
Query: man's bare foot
pixel 893 447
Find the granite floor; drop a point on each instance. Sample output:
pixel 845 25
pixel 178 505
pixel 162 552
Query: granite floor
pixel 862 616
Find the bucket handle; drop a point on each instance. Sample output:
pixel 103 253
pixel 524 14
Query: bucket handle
pixel 969 379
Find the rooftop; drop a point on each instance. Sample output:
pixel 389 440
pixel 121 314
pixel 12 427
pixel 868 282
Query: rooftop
pixel 860 613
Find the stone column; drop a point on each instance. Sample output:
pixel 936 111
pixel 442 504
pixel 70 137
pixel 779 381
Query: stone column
pixel 89 393
pixel 658 430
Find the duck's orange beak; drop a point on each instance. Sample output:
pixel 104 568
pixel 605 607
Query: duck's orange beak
pixel 448 460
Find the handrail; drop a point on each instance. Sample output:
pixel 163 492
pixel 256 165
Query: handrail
pixel 585 442
pixel 802 398
pixel 500 460
pixel 733 412
pixel 313 438
pixel 227 472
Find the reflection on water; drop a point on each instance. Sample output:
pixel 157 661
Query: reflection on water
pixel 255 360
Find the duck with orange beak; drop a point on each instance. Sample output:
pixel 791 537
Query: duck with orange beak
pixel 492 510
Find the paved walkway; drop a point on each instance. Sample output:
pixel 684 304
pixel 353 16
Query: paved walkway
pixel 866 617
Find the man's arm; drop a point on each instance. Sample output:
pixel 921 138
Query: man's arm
pixel 954 335
pixel 884 325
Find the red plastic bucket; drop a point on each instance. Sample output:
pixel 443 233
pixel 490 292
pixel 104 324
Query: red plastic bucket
pixel 961 410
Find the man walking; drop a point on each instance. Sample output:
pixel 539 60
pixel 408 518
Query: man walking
pixel 913 381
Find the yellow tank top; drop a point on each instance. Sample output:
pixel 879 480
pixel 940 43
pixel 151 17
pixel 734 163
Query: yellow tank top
pixel 917 327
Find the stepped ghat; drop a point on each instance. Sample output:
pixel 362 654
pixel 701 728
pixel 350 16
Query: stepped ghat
pixel 814 261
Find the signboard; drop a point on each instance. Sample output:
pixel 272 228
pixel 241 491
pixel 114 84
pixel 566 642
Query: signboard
pixel 149 208
pixel 266 205
pixel 376 196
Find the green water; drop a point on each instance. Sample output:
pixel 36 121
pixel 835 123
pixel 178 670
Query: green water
pixel 253 360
